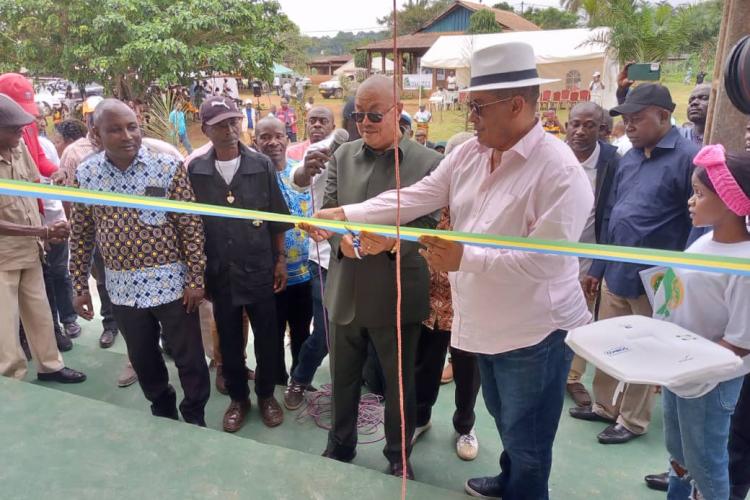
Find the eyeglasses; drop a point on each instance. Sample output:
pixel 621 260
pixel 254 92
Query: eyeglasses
pixel 476 108
pixel 359 116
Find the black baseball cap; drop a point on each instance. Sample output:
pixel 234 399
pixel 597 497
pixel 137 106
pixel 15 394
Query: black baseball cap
pixel 642 96
pixel 216 109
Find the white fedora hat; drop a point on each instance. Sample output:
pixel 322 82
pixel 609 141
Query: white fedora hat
pixel 507 65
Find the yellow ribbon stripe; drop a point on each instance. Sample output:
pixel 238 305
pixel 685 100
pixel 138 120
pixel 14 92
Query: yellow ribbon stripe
pixel 731 265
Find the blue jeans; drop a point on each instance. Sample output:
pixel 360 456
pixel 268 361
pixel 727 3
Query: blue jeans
pixel 315 348
pixel 58 285
pixel 696 432
pixel 186 142
pixel 524 391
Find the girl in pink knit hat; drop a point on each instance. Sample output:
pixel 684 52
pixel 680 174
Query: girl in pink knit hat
pixel 716 306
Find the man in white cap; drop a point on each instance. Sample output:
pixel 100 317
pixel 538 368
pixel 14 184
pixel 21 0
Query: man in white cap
pixel 511 307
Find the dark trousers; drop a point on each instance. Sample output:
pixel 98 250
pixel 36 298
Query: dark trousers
pixel 262 317
pixel 315 348
pixel 58 285
pixel 524 390
pixel 140 329
pixel 433 345
pixel 293 307
pixel 348 353
pixel 739 445
pixel 108 318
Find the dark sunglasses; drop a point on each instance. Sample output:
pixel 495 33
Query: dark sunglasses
pixel 359 116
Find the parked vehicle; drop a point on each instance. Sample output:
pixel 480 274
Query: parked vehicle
pixel 331 88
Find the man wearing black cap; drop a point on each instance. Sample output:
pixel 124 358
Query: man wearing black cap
pixel 21 281
pixel 246 258
pixel 647 208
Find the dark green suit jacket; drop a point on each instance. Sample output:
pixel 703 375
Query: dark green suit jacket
pixel 363 292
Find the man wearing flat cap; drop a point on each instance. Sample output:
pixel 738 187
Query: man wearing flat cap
pixel 22 233
pixel 246 259
pixel 510 307
pixel 647 208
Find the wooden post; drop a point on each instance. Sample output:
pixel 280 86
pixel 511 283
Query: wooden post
pixel 382 62
pixel 724 123
pixel 368 69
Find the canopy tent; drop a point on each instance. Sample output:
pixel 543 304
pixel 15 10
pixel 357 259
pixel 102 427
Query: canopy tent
pixel 350 69
pixel 280 69
pixel 568 55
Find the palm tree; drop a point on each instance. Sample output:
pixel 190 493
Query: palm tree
pixel 640 31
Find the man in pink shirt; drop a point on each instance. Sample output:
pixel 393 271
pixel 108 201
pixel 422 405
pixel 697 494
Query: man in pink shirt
pixel 511 307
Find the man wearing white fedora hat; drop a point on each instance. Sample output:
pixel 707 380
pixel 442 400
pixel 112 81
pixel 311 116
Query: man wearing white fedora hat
pixel 511 307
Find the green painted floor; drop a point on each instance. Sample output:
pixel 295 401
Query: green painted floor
pixel 106 445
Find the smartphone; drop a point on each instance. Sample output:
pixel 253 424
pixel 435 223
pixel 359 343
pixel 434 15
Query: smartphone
pixel 644 72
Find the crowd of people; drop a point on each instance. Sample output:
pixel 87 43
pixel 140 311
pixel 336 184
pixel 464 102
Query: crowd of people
pixel 192 286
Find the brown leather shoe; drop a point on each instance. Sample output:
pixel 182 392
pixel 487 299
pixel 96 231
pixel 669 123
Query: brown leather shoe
pixel 221 384
pixel 235 415
pixel 579 394
pixel 271 412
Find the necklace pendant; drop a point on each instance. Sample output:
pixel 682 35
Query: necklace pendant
pixel 230 198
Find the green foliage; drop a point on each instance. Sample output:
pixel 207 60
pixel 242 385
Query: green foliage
pixel 552 18
pixel 483 21
pixel 640 31
pixel 360 59
pixel 504 6
pixel 345 42
pixel 414 14
pixel 127 44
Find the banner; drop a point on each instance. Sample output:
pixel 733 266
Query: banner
pixel 715 263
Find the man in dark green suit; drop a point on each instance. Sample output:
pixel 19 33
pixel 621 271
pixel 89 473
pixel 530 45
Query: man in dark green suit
pixel 361 286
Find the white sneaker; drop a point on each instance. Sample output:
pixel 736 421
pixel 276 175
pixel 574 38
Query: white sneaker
pixel 467 446
pixel 419 431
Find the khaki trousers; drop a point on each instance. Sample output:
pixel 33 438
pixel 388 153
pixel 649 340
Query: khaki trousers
pixel 633 406
pixel 578 366
pixel 22 295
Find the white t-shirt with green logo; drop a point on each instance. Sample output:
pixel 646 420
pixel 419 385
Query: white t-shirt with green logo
pixel 713 305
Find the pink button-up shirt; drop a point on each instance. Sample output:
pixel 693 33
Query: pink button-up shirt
pixel 504 299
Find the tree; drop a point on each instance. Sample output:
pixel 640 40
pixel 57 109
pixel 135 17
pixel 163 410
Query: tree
pixel 127 44
pixel 483 21
pixel 552 18
pixel 414 14
pixel 504 6
pixel 640 31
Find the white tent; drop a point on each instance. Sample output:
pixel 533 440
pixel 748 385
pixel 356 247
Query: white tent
pixel 350 69
pixel 564 54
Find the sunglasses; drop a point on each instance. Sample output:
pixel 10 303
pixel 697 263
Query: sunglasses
pixel 359 116
pixel 476 108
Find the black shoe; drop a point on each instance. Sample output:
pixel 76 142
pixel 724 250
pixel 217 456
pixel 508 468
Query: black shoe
pixel 659 482
pixel 587 413
pixel 107 339
pixel 616 434
pixel 484 487
pixel 397 469
pixel 341 458
pixel 64 376
pixel 64 344
pixel 72 330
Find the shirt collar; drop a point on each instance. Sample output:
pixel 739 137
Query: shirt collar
pixel 403 146
pixel 669 141
pixel 141 158
pixel 593 158
pixel 528 143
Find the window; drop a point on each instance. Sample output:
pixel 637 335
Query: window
pixel 573 79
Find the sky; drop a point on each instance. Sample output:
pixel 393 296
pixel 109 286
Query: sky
pixel 326 17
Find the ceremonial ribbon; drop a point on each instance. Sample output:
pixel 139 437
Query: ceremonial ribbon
pixel 646 256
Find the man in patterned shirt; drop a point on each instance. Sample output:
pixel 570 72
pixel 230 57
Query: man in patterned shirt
pixel 154 261
pixel 294 304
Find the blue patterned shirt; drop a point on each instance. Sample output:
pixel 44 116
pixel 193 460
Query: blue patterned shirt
pixel 297 245
pixel 149 257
